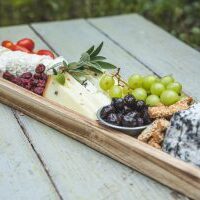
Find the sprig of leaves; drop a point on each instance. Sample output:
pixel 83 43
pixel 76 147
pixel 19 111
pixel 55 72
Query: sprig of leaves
pixel 90 60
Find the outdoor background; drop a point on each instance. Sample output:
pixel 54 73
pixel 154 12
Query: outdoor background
pixel 179 17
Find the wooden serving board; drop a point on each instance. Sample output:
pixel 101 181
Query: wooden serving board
pixel 154 163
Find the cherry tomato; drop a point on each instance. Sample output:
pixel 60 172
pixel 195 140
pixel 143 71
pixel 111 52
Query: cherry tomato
pixel 26 43
pixel 19 48
pixel 8 44
pixel 46 53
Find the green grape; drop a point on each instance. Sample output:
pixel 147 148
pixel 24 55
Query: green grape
pixel 157 80
pixel 157 88
pixel 152 100
pixel 166 80
pixel 60 78
pixel 135 81
pixel 106 82
pixel 148 81
pixel 125 90
pixel 169 97
pixel 115 92
pixel 177 87
pixel 140 94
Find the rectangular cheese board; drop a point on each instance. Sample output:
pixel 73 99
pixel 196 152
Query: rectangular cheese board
pixel 150 161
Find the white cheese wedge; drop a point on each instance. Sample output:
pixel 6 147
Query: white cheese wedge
pixel 75 96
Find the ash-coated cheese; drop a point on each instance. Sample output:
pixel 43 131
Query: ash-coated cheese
pixel 182 139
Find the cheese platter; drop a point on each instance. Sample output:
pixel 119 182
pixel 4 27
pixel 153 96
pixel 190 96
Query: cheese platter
pixel 145 122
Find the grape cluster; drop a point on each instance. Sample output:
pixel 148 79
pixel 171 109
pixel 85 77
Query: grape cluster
pixel 150 88
pixel 34 82
pixel 126 112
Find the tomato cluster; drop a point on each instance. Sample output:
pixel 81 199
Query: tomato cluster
pixel 26 45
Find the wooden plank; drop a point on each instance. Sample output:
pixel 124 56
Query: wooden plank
pixel 154 47
pixel 109 179
pixel 21 173
pixel 170 171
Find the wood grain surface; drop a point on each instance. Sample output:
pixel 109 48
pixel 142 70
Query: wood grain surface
pixel 170 171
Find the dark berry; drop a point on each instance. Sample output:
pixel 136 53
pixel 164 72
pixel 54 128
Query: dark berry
pixel 118 103
pixel 40 69
pixel 38 90
pixel 140 106
pixel 8 76
pixel 140 121
pixel 126 109
pixel 106 110
pixel 120 116
pixel 26 75
pixel 133 114
pixel 129 121
pixel 113 119
pixel 130 100
pixel 146 117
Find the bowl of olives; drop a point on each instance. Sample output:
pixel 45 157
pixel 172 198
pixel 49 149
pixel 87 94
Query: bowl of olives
pixel 125 114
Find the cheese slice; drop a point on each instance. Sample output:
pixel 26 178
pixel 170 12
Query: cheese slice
pixel 75 96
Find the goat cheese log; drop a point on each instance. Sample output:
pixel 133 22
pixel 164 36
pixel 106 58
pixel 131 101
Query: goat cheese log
pixel 182 139
pixel 17 62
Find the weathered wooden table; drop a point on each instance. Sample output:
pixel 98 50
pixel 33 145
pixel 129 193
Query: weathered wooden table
pixel 37 162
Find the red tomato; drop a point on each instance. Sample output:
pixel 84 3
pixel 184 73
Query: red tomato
pixel 46 53
pixel 26 43
pixel 19 48
pixel 8 44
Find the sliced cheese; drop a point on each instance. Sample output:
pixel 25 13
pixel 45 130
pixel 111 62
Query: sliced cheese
pixel 75 96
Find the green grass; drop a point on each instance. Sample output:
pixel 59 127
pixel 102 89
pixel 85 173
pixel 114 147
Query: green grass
pixel 179 17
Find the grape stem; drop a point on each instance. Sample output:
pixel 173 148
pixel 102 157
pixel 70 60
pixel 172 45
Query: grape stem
pixel 119 79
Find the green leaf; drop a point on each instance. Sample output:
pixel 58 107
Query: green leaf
pixel 85 57
pixel 54 71
pixel 72 65
pixel 95 66
pixel 90 50
pixel 98 58
pixel 97 50
pixel 106 65
pixel 65 64
pixel 76 71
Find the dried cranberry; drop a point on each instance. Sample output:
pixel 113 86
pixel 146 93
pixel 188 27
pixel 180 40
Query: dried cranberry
pixel 17 81
pixel 40 69
pixel 41 83
pixel 28 86
pixel 44 76
pixel 26 75
pixel 38 90
pixel 37 76
pixel 25 81
pixel 8 76
pixel 35 82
